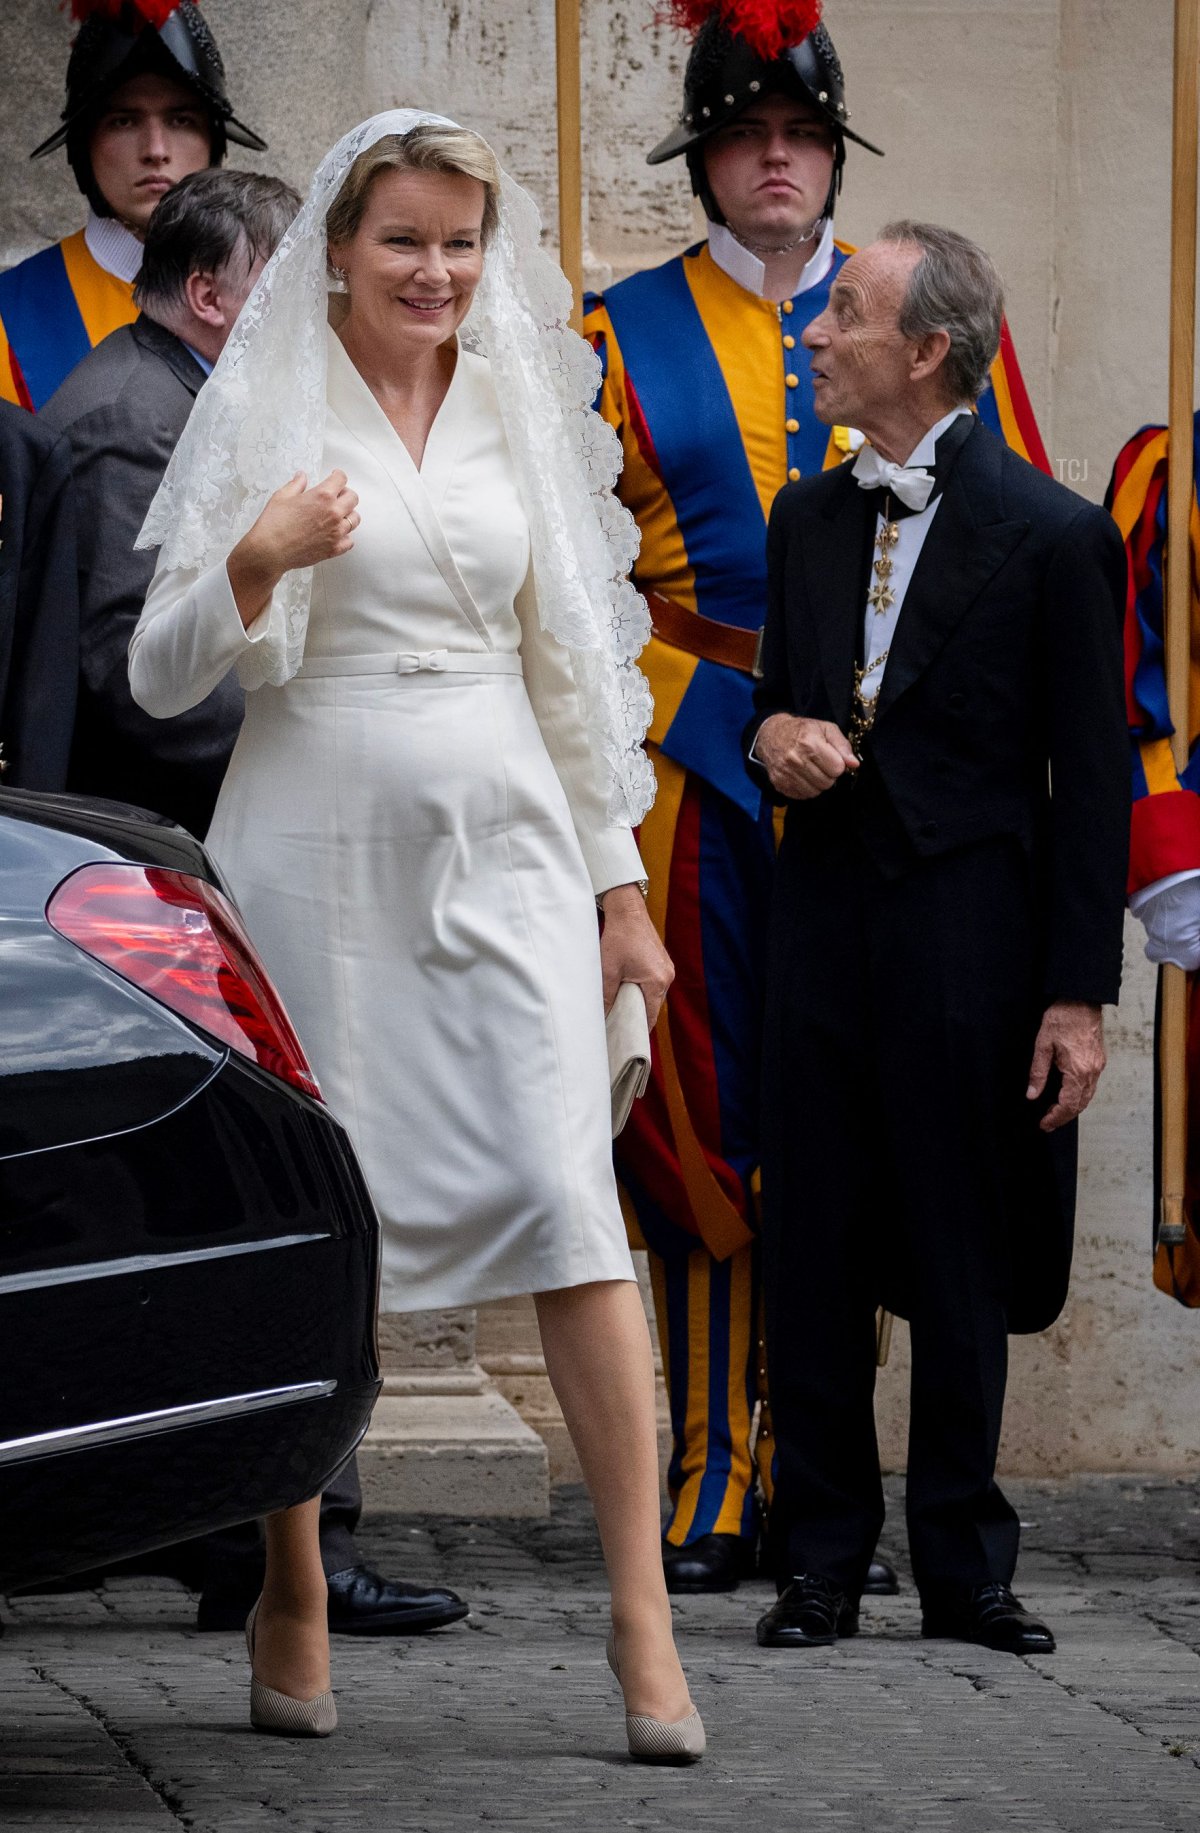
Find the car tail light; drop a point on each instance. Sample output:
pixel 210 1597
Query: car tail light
pixel 176 937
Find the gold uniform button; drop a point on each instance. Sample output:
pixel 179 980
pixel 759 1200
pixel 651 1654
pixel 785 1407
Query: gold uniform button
pixel 789 342
pixel 793 476
pixel 793 426
pixel 787 305
pixel 791 381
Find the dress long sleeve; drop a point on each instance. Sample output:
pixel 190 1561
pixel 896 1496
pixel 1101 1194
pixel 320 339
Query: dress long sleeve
pixel 187 639
pixel 610 852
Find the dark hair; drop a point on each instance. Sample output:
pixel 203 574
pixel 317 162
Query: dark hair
pixel 953 288
pixel 201 224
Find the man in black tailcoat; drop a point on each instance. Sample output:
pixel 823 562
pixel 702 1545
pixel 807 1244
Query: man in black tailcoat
pixel 39 603
pixel 941 709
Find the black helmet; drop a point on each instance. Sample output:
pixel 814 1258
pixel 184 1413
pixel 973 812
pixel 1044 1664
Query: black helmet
pixel 121 39
pixel 738 56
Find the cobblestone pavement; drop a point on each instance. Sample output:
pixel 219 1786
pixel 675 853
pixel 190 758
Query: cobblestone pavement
pixel 115 1715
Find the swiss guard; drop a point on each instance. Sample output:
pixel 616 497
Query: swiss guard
pixel 146 105
pixel 708 387
pixel 1164 859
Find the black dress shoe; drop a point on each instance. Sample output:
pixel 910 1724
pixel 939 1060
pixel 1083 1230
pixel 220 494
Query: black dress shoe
pixel 361 1603
pixel 881 1580
pixel 989 1615
pixel 715 1562
pixel 811 1613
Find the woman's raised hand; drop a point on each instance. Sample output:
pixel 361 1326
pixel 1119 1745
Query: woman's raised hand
pixel 298 527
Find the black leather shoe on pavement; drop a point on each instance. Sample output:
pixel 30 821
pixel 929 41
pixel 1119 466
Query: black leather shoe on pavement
pixel 989 1615
pixel 811 1613
pixel 361 1603
pixel 881 1580
pixel 715 1562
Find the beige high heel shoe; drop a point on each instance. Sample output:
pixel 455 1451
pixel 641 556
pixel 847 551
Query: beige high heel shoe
pixel 279 1712
pixel 655 1740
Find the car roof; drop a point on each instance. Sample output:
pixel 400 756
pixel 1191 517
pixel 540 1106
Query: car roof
pixel 122 831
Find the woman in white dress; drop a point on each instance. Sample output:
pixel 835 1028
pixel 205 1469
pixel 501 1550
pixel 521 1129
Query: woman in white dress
pixel 433 788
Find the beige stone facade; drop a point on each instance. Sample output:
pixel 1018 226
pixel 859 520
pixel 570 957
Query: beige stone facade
pixel 1041 127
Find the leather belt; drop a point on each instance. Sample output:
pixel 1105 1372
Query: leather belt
pixel 701 636
pixel 429 661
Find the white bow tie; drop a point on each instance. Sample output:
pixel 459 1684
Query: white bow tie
pixel 914 486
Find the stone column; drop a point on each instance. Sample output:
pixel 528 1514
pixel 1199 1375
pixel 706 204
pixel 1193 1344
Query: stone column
pixel 444 1440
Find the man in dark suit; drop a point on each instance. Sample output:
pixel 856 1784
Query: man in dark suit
pixel 39 603
pixel 124 407
pixel 941 709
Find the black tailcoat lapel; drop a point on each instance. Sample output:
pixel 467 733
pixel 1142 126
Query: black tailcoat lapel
pixel 968 543
pixel 837 548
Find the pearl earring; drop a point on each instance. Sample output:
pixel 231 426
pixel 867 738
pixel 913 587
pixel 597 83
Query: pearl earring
pixel 340 283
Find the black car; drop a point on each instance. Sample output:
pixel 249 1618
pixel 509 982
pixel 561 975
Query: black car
pixel 188 1253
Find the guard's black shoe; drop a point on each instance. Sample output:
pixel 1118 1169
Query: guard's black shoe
pixel 881 1580
pixel 361 1603
pixel 715 1562
pixel 811 1613
pixel 989 1615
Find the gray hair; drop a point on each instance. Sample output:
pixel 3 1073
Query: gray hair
pixel 200 225
pixel 955 288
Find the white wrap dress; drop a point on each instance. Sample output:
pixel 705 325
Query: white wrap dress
pixel 414 832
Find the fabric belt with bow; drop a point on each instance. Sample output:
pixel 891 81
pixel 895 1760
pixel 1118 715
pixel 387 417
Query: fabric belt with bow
pixel 429 661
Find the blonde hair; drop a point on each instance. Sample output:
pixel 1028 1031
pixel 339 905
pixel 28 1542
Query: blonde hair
pixel 452 150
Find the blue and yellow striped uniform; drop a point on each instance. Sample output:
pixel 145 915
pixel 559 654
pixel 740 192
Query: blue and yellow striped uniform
pixel 709 389
pixel 1166 806
pixel 54 308
pixel 1165 833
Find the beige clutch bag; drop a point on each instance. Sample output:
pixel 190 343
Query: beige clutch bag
pixel 628 1037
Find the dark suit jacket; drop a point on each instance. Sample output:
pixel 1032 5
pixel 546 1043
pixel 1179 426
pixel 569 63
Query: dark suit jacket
pixel 1002 705
pixel 124 407
pixel 39 603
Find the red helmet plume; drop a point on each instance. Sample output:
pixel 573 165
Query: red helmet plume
pixel 768 26
pixel 154 12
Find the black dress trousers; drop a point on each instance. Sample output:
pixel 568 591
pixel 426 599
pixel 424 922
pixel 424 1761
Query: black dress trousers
pixel 232 1560
pixel 897 1139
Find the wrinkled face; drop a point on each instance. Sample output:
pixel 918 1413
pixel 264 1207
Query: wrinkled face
pixel 861 362
pixel 770 170
pixel 416 258
pixel 153 132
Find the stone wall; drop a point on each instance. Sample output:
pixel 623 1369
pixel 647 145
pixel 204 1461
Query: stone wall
pixel 1028 123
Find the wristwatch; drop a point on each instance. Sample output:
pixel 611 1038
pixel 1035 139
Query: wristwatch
pixel 643 885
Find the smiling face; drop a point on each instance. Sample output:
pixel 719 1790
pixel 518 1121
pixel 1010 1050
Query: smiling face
pixel 414 261
pixel 770 170
pixel 152 133
pixel 861 361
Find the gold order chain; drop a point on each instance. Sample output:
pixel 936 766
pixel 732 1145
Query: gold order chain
pixel 882 595
pixel 862 718
pixel 881 598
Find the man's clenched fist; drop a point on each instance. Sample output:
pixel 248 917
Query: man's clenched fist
pixel 803 757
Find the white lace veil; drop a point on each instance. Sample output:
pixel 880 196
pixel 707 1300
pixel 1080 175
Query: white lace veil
pixel 260 418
